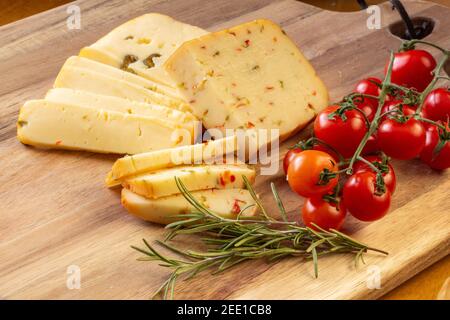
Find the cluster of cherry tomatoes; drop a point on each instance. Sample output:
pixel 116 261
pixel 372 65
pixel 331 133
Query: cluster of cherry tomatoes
pixel 344 168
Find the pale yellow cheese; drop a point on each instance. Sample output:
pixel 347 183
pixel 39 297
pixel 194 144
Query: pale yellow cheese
pixel 116 73
pixel 49 124
pixel 248 76
pixel 161 183
pixel 209 152
pixel 87 80
pixel 225 202
pixel 150 34
pixel 92 100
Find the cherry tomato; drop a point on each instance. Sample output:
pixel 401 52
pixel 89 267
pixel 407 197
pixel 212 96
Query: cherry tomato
pixel 412 69
pixel 390 180
pixel 401 140
pixel 371 145
pixel 368 109
pixel 369 86
pixel 344 136
pixel 304 173
pixel 441 160
pixel 437 105
pixel 322 213
pixel 360 198
pixel 288 158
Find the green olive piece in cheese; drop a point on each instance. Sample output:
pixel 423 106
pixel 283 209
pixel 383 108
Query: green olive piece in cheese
pixel 54 125
pixel 119 74
pixel 161 183
pixel 92 100
pixel 209 152
pixel 248 76
pixel 149 39
pixel 226 202
pixel 88 80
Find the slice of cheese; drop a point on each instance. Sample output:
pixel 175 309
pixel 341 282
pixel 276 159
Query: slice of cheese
pixel 116 73
pixel 156 74
pixel 228 203
pixel 63 126
pixel 248 76
pixel 92 100
pixel 209 152
pixel 87 80
pixel 161 183
pixel 143 43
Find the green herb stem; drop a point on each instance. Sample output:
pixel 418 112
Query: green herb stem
pixel 231 242
pixel 374 124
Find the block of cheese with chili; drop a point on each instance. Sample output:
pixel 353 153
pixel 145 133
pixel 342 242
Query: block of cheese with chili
pixel 248 76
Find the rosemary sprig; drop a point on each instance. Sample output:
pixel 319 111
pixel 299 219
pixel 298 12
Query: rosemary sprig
pixel 230 242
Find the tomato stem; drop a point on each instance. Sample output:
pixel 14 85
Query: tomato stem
pixel 430 87
pixel 305 145
pixel 437 124
pixel 370 164
pixel 361 95
pixel 409 44
pixel 374 124
pixel 443 78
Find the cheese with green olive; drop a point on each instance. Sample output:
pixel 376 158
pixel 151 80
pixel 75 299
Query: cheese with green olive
pixel 210 152
pixel 92 100
pixel 88 80
pixel 161 183
pixel 80 62
pixel 228 203
pixel 248 76
pixel 55 125
pixel 141 45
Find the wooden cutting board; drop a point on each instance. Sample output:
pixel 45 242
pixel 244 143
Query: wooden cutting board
pixel 56 213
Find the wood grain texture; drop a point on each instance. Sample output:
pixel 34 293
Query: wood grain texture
pixel 56 212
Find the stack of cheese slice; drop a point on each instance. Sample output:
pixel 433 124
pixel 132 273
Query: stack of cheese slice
pixel 99 105
pixel 81 120
pixel 151 193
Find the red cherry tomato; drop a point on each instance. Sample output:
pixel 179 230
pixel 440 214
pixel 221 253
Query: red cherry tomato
pixel 368 110
pixel 304 173
pixel 288 158
pixel 441 160
pixel 360 198
pixel 323 214
pixel 371 145
pixel 412 69
pixel 369 86
pixel 344 136
pixel 437 105
pixel 390 180
pixel 401 140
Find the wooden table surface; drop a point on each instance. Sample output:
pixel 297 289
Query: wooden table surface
pixel 429 284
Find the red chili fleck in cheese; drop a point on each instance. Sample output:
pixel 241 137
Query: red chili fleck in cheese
pixel 236 208
pixel 250 125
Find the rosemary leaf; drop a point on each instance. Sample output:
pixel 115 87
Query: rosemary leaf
pixel 279 202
